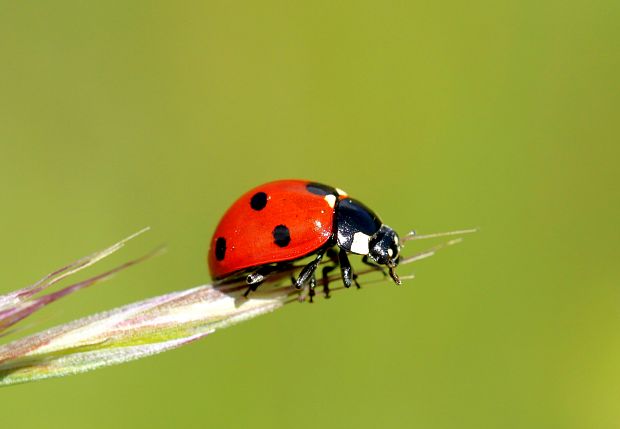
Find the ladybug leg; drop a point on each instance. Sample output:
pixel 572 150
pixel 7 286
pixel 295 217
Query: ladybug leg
pixel 345 269
pixel 371 264
pixel 333 256
pixel 308 271
pixel 312 285
pixel 357 285
pixel 326 271
pixel 307 287
pixel 251 288
pixel 256 278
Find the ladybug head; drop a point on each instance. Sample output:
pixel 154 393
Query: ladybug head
pixel 384 249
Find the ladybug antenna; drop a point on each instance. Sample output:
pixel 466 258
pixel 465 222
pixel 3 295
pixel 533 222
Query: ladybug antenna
pixel 412 235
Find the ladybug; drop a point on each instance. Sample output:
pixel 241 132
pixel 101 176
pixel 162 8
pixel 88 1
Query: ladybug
pixel 278 223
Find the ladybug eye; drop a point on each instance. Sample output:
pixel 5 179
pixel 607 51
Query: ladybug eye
pixel 395 250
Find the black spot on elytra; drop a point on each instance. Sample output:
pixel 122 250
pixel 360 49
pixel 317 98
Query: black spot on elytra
pixel 320 189
pixel 220 248
pixel 258 201
pixel 281 235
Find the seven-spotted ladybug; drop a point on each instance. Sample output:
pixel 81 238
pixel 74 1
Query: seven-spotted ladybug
pixel 280 222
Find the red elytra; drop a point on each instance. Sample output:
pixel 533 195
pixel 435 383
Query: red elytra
pixel 275 222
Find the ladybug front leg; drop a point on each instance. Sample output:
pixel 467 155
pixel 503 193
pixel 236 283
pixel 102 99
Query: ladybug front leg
pixel 371 264
pixel 347 272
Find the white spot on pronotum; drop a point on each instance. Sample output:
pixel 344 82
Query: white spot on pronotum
pixel 360 243
pixel 396 239
pixel 390 252
pixel 331 200
pixel 341 192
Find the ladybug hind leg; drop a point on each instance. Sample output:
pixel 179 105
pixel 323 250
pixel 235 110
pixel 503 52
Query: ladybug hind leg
pixel 257 277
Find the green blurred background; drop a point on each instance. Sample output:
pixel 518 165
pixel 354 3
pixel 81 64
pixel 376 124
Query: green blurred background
pixel 502 115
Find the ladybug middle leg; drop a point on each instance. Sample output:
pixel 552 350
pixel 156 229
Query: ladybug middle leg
pixel 333 257
pixel 309 288
pixel 312 285
pixel 308 271
pixel 308 275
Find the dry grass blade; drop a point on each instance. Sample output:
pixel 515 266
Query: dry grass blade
pixel 22 303
pixel 137 330
pixel 145 328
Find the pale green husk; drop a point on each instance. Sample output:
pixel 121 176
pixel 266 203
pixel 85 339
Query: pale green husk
pixel 134 331
pixel 131 332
